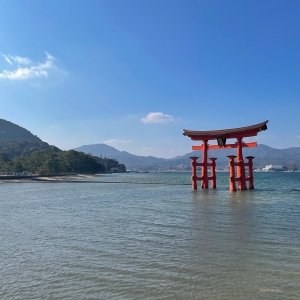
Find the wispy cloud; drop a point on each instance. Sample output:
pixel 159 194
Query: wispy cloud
pixel 35 70
pixel 157 117
pixel 114 141
pixel 7 59
pixel 18 59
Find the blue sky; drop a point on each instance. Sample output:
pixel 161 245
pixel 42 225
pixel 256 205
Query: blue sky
pixel 133 74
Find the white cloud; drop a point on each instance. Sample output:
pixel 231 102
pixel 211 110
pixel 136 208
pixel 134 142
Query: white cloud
pixel 18 59
pixel 22 60
pixel 113 141
pixel 33 71
pixel 157 117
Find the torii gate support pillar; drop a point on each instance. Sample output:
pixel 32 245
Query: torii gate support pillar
pixel 204 178
pixel 213 172
pixel 194 171
pixel 250 171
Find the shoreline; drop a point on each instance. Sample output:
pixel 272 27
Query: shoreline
pixel 42 178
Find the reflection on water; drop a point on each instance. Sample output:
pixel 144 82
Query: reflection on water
pixel 150 236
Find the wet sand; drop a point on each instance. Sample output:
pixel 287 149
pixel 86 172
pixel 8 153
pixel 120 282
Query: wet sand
pixel 60 178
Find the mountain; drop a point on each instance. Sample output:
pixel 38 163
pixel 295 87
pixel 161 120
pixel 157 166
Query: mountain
pixel 128 159
pixel 16 140
pixel 263 155
pixel 23 147
pixel 21 151
pixel 10 131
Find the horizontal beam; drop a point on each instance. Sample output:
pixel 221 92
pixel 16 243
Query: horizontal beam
pixel 226 136
pixel 229 146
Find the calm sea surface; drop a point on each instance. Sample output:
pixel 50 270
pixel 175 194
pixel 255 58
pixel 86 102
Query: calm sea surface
pixel 149 236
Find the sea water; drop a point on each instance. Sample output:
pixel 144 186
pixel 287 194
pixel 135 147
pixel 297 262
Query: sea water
pixel 149 236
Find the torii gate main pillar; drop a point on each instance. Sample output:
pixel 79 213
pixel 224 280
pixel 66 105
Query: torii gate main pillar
pixel 204 183
pixel 240 167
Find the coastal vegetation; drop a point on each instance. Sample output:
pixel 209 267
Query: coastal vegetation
pixel 24 147
pixel 52 162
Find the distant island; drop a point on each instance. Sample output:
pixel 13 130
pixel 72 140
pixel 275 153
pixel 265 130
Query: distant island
pixel 22 153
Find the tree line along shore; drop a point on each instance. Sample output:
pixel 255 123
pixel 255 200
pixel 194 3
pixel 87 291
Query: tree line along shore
pixel 52 162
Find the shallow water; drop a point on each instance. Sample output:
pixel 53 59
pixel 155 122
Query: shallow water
pixel 149 236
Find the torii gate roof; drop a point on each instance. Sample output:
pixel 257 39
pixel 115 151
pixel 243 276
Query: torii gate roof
pixel 226 133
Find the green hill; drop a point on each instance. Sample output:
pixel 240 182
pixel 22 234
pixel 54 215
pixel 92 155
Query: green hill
pixel 10 132
pixel 23 147
pixel 16 141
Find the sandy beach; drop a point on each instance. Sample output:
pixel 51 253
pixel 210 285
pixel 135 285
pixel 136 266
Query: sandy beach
pixel 60 178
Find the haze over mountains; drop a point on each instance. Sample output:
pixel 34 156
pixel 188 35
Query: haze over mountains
pixel 263 155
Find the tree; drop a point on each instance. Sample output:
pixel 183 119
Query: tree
pixel 51 164
pixel 18 164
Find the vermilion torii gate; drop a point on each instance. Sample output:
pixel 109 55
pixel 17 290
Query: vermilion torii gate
pixel 221 136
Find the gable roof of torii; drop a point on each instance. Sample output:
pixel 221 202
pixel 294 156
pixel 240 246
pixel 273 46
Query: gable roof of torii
pixel 226 133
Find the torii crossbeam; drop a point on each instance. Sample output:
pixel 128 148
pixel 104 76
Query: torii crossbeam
pixel 221 136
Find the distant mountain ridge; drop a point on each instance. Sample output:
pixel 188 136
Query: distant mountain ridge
pixel 111 152
pixel 263 155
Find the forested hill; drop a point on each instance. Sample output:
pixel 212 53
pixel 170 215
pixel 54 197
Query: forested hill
pixel 10 131
pixel 23 147
pixel 22 152
pixel 16 141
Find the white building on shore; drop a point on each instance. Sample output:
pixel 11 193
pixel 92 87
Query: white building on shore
pixel 270 168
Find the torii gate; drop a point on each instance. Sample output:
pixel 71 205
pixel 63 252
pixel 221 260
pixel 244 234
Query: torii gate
pixel 221 136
